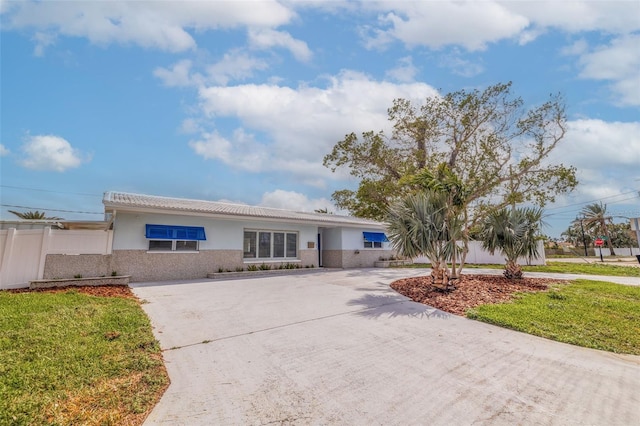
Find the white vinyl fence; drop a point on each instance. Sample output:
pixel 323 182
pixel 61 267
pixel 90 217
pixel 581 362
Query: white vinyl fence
pixel 23 251
pixel 479 256
pixel 619 251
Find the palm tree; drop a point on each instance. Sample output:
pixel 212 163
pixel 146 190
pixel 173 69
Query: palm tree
pixel 454 195
pixel 422 225
pixel 34 215
pixel 323 211
pixel 513 231
pixel 595 219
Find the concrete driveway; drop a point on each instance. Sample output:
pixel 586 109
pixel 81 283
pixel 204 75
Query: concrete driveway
pixel 341 347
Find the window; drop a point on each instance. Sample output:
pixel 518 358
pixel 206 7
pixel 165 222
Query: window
pixel 186 245
pixel 270 245
pixel 264 249
pixel 174 232
pixel 174 238
pixel 292 245
pixel 374 239
pixel 160 245
pixel 249 245
pixel 278 244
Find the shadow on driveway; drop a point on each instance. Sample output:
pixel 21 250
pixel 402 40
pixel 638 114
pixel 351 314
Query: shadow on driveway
pixel 376 306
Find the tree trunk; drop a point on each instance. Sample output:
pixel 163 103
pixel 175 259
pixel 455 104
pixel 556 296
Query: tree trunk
pixel 609 243
pixel 440 278
pixel 512 270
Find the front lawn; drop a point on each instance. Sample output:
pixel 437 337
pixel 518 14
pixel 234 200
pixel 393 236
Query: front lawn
pixel 72 358
pixel 592 314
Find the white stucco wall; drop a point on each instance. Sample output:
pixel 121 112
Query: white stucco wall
pixel 352 239
pixel 344 238
pixel 331 239
pixel 221 234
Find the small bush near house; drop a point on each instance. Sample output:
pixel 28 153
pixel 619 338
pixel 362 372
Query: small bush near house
pixel 252 268
pixel 265 267
pixel 239 269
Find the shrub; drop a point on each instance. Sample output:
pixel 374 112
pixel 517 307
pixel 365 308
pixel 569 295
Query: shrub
pixel 252 268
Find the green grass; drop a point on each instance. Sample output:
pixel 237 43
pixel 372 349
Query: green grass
pixel 70 358
pixel 586 268
pixel 592 314
pixel 562 268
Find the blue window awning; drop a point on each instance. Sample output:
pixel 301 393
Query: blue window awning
pixel 174 232
pixel 375 237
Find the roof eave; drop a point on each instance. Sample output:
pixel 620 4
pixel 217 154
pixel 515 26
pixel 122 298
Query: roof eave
pixel 326 223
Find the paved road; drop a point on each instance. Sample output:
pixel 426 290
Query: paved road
pixel 340 347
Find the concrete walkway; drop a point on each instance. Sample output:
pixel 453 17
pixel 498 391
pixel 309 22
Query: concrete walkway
pixel 341 347
pixel 635 281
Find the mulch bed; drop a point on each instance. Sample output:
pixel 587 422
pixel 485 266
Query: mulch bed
pixel 93 290
pixel 471 291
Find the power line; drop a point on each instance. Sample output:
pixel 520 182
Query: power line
pixel 571 212
pixel 600 199
pixel 49 210
pixel 48 190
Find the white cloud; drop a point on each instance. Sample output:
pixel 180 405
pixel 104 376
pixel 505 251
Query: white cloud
pixel 234 65
pixel 439 23
pixel 296 127
pixel 268 38
pixel 48 152
pixel 242 151
pixel 405 71
pixel 160 24
pixel 605 154
pixel 460 66
pixel 474 24
pixel 291 200
pixel 576 48
pixel 4 150
pixel 615 17
pixel 42 40
pixel 618 62
pixel 179 75
pixel 190 126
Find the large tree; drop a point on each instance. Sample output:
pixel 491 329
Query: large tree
pixel 493 146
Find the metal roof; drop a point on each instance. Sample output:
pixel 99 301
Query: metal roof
pixel 123 201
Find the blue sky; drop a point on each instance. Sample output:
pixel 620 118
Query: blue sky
pixel 240 100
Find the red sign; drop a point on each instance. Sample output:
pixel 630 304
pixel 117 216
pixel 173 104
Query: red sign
pixel 599 242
